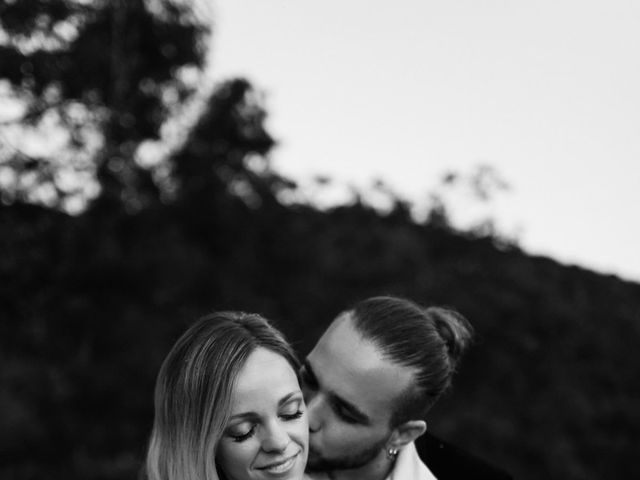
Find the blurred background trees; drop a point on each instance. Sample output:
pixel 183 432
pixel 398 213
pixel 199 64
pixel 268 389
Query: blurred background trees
pixel 88 83
pixel 112 244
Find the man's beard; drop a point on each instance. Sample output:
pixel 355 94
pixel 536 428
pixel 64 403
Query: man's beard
pixel 349 461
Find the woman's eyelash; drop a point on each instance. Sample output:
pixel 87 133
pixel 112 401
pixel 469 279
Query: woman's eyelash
pixel 249 434
pixel 292 416
pixel 244 436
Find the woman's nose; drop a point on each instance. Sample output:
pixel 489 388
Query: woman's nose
pixel 276 438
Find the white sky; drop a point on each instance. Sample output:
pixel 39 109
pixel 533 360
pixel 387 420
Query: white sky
pixel 546 92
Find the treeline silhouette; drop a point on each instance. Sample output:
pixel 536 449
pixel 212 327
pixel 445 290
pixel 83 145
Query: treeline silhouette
pixel 90 303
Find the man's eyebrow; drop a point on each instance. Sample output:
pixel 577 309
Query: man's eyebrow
pixel 307 367
pixel 351 409
pixel 338 401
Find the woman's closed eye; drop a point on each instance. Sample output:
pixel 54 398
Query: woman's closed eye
pixel 241 432
pixel 291 416
pixel 292 411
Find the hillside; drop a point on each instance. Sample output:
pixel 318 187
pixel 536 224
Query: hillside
pixel 90 305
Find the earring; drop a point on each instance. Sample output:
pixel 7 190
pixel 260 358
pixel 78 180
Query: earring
pixel 392 453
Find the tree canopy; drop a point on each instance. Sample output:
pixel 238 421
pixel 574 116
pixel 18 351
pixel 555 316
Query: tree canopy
pixel 91 81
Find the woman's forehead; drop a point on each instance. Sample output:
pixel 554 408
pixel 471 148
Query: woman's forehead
pixel 265 378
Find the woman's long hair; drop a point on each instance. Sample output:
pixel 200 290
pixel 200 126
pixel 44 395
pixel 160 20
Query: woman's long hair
pixel 193 392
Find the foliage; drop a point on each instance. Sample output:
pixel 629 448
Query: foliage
pixel 92 80
pixel 90 307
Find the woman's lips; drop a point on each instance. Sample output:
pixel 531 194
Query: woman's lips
pixel 279 467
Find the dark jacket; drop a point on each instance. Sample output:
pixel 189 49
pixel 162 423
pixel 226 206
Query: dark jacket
pixel 448 462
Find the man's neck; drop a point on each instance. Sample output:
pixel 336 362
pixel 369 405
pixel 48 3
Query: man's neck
pixel 377 469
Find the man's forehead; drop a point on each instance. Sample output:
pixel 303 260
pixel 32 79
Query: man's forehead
pixel 344 341
pixel 354 367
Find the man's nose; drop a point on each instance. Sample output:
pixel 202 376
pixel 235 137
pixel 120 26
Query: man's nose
pixel 275 438
pixel 314 412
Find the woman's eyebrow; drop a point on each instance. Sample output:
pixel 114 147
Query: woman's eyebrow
pixel 295 395
pixel 289 397
pixel 244 416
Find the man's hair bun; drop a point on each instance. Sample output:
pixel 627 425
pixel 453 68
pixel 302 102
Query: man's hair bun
pixel 454 329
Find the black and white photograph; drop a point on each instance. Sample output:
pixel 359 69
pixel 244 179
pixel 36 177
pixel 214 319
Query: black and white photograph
pixel 301 240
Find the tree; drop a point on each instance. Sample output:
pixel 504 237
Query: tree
pixel 226 151
pixel 90 82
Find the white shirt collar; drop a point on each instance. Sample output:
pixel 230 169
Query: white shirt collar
pixel 409 466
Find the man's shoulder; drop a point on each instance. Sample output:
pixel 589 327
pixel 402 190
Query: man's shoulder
pixel 447 461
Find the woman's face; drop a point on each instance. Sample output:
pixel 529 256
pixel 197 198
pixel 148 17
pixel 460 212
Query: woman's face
pixel 267 434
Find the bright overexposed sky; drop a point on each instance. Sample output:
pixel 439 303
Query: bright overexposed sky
pixel 546 92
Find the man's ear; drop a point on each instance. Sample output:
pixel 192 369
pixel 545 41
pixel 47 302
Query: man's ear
pixel 406 433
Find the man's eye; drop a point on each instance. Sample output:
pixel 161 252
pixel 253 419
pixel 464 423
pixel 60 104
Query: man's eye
pixel 307 379
pixel 345 415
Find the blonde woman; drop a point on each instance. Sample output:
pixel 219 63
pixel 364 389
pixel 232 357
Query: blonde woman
pixel 228 405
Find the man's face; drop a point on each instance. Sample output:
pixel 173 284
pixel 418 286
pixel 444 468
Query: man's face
pixel 350 391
